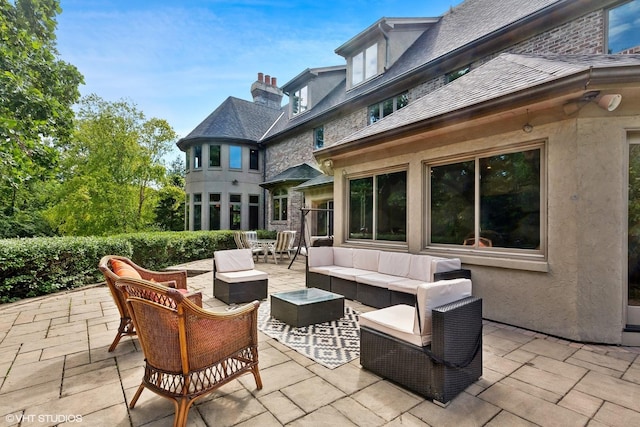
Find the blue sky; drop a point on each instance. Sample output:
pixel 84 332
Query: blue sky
pixel 178 60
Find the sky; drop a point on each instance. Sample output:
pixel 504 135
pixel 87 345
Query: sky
pixel 179 60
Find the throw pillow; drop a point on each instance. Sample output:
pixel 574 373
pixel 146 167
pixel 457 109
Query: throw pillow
pixel 123 269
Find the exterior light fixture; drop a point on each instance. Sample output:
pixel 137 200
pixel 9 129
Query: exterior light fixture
pixel 234 182
pixel 327 166
pixel 528 127
pixel 610 102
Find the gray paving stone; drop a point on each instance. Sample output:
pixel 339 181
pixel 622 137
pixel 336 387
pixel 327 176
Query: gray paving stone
pixel 549 349
pixel 231 410
pixel 617 416
pixel 349 377
pixel 312 393
pixel 357 413
pixel 386 400
pixel 277 377
pixel 608 388
pixel 531 408
pixel 463 411
pixel 281 407
pixel 545 380
pixel 581 403
pixel 327 416
pixel 507 419
pixel 407 420
pixel 531 389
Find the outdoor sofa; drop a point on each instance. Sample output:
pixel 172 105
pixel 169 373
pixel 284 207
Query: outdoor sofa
pixel 374 277
pixel 235 279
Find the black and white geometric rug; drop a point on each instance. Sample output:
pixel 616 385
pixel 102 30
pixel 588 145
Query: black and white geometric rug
pixel 331 344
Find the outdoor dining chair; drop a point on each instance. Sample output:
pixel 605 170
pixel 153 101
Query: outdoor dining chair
pixel 189 351
pixel 113 267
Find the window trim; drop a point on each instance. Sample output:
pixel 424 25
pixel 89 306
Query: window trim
pixel 363 68
pixel 526 259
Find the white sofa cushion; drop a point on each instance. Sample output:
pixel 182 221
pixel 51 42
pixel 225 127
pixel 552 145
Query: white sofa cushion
pixel 432 295
pixel 377 279
pixel 420 268
pixel 348 273
pixel 233 260
pixel 342 257
pixel 397 321
pixel 408 286
pixel 366 259
pixel 242 276
pixel 320 256
pixel 394 263
pixel 324 269
pixel 440 265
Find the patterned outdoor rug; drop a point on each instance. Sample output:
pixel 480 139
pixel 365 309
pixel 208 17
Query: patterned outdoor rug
pixel 331 344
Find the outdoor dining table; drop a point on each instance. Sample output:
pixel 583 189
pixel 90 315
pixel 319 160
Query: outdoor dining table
pixel 264 244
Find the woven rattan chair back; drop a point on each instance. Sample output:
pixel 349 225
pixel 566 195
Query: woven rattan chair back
pixel 189 352
pixel 126 327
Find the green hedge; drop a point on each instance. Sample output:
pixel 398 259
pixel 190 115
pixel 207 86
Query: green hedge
pixel 42 265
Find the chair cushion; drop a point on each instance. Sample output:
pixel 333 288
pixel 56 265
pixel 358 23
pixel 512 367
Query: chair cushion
pixel 233 260
pixel 408 286
pixel 325 269
pixel 320 256
pixel 377 279
pixel 242 276
pixel 342 257
pixel 397 321
pixel 394 263
pixel 366 259
pixel 420 268
pixel 122 269
pixel 348 273
pixel 435 294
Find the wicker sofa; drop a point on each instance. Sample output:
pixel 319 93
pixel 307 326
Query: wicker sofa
pixel 433 348
pixel 374 277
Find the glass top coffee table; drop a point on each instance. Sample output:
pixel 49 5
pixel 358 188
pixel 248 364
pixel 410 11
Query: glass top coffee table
pixel 307 307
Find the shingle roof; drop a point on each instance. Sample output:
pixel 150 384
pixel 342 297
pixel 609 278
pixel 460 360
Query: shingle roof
pixel 505 74
pixel 295 174
pixel 315 182
pixel 235 119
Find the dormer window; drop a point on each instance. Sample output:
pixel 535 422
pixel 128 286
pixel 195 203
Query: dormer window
pixel 364 65
pixel 299 101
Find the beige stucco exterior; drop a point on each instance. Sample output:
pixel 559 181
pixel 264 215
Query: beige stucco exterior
pixel 576 286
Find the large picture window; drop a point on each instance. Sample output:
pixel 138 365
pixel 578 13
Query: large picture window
pixel 235 157
pixel 488 201
pixel 378 207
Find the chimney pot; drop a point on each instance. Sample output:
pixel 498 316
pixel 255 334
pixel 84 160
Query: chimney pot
pixel 274 82
pixel 260 77
pixel 267 79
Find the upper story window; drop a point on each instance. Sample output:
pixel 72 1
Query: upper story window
pixel 457 73
pixel 488 201
pixel 318 137
pixel 187 159
pixel 623 34
pixel 300 101
pixel 197 157
pixel 364 64
pixel 214 156
pixel 254 159
pixel 386 107
pixel 279 207
pixel 235 157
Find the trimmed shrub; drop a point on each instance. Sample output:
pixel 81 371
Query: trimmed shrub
pixel 36 266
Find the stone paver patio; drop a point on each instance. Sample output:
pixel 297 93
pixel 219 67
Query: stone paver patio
pixel 55 370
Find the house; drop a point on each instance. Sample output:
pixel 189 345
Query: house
pixel 505 133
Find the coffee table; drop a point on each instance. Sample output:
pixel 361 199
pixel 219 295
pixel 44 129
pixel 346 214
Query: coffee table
pixel 307 306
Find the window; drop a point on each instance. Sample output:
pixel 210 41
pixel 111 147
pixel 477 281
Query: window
pixel 280 205
pixel 214 156
pixel 197 157
pixel 197 212
pixel 299 101
pixel 622 31
pixel 324 219
pixel 254 159
pixel 318 137
pixel 214 211
pixel 378 207
pixel 364 65
pixel 235 157
pixel 386 107
pixel 254 212
pixel 235 211
pixel 488 201
pixel 449 77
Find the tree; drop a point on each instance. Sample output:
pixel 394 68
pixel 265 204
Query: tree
pixel 37 92
pixel 170 208
pixel 111 170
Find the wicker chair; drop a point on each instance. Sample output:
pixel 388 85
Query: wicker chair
pixel 235 279
pixel 189 352
pixel 434 349
pixel 177 279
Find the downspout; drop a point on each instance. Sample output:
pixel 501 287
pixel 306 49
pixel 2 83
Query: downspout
pixel 264 171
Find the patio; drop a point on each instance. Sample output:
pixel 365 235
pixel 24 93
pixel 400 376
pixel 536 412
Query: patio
pixel 56 371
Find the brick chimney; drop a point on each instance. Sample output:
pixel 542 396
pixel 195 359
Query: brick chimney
pixel 266 92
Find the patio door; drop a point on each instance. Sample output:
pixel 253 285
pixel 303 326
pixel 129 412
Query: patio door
pixel 633 248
